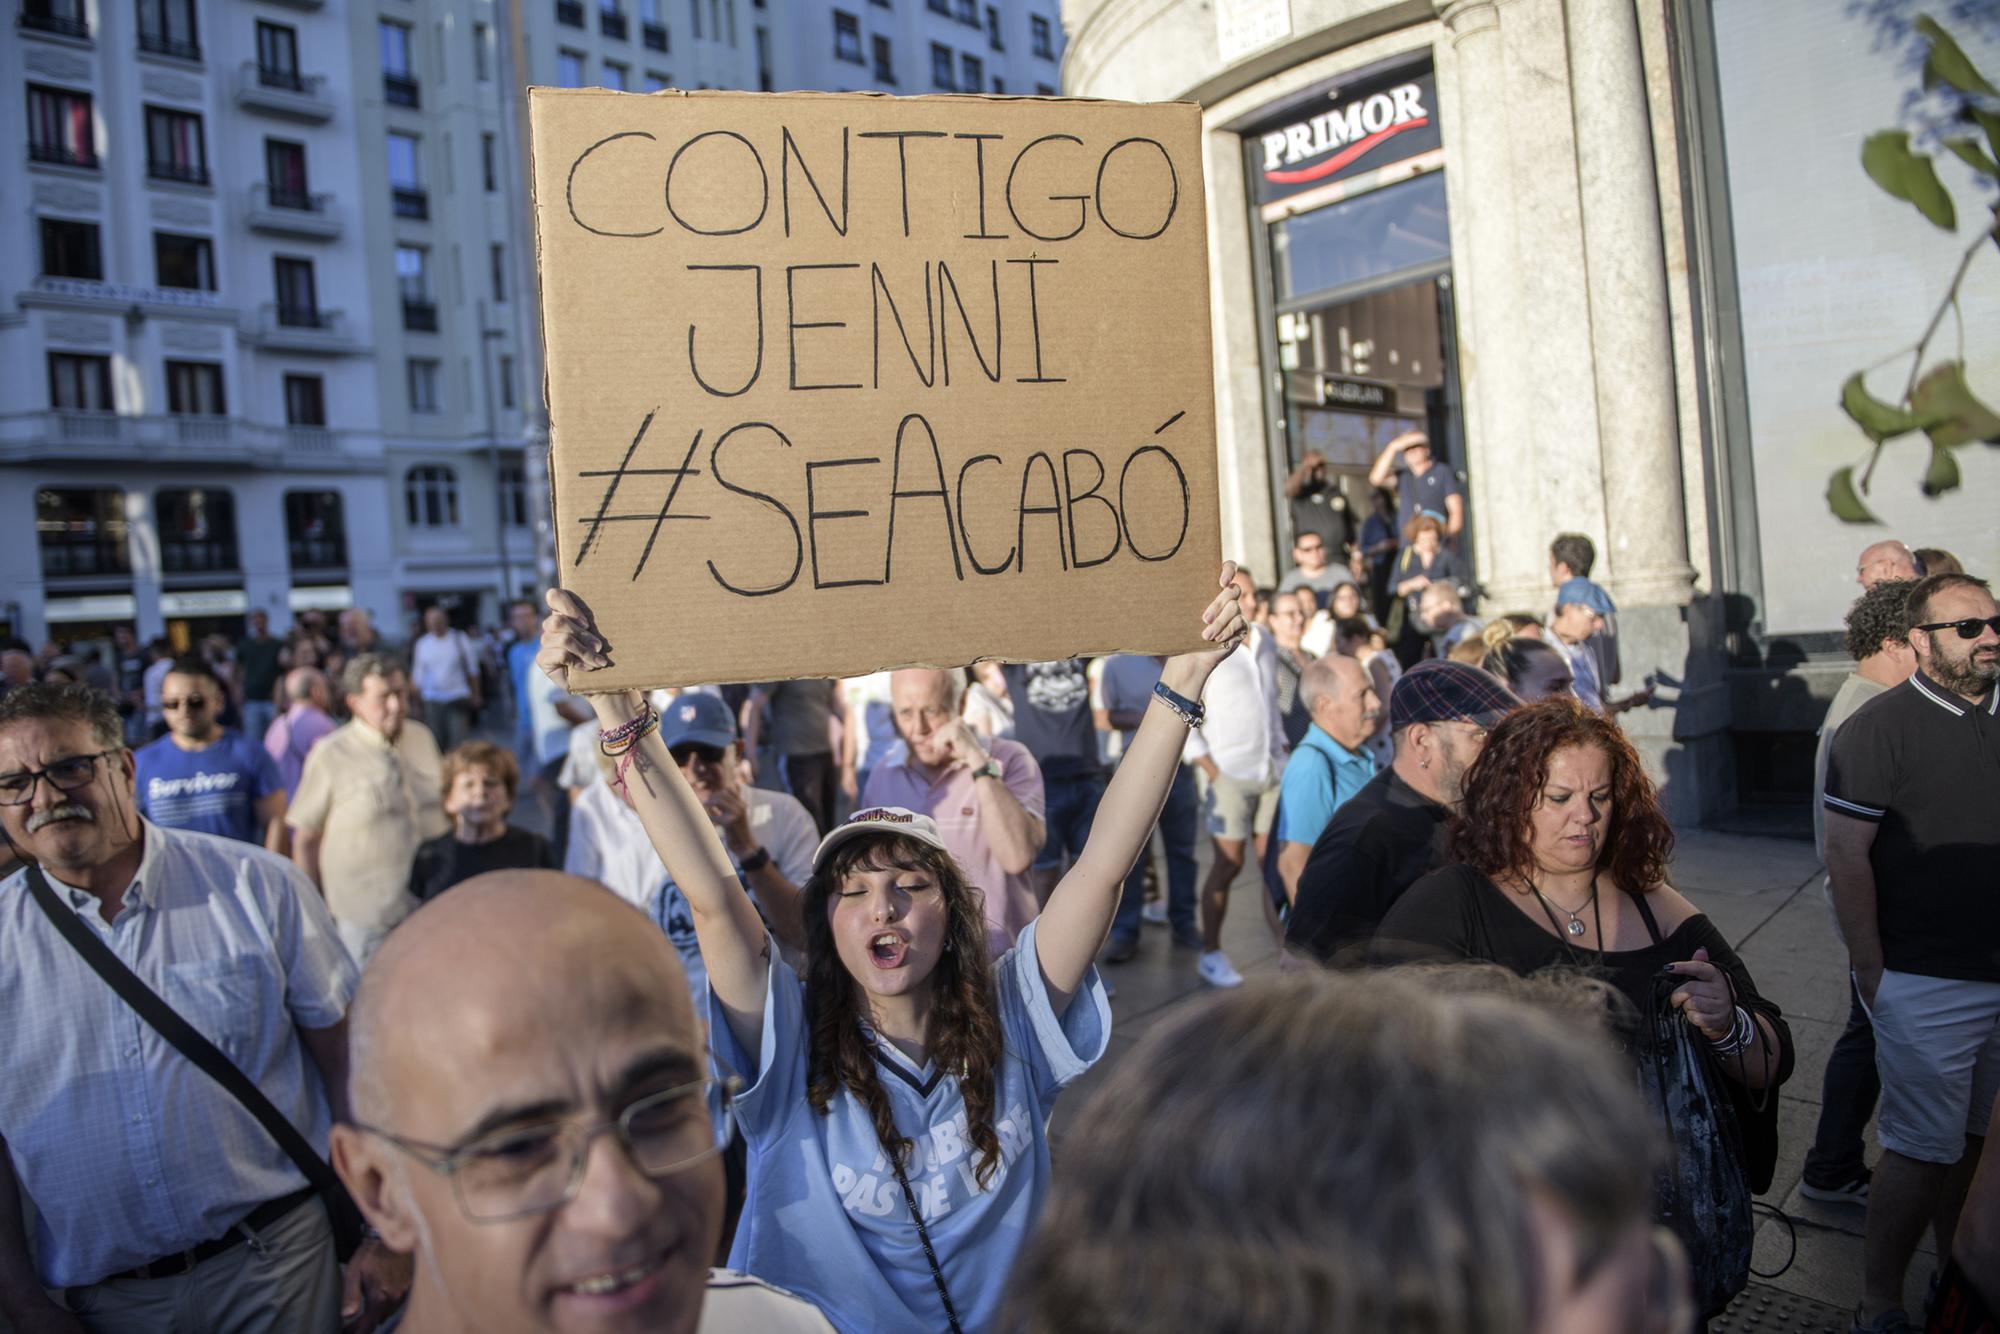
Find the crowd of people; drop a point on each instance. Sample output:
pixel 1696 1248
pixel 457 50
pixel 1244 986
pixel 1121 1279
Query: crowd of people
pixel 794 1070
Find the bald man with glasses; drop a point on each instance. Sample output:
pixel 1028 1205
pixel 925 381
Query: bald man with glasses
pixel 535 1117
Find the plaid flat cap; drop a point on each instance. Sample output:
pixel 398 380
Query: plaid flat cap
pixel 1442 691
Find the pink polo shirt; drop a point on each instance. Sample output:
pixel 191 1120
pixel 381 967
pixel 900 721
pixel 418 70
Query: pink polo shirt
pixel 952 799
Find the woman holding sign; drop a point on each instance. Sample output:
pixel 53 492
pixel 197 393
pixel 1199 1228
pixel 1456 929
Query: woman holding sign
pixel 895 1099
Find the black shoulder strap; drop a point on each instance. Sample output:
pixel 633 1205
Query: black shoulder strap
pixel 184 1038
pixel 1646 912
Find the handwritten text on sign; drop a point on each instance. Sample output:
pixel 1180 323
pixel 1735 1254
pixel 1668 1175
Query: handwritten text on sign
pixel 839 383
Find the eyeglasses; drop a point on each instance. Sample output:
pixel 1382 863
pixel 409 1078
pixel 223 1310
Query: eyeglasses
pixel 1968 628
pixel 532 1169
pixel 65 775
pixel 191 702
pixel 695 750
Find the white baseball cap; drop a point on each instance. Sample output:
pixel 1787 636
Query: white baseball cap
pixel 881 820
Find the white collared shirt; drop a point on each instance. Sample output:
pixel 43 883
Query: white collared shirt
pixel 127 1149
pixel 1244 733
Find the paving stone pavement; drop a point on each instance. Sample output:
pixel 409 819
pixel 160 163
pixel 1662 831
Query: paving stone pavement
pixel 1766 896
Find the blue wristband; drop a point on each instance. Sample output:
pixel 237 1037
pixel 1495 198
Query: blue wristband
pixel 1191 711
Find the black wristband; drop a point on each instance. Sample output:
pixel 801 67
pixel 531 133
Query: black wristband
pixel 756 861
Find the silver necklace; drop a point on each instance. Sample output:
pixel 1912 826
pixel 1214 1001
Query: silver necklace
pixel 1575 925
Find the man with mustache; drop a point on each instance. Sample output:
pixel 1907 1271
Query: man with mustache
pixel 1912 839
pixel 533 1121
pixel 163 1205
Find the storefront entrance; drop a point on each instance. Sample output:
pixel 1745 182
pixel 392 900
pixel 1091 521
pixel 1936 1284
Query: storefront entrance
pixel 1354 278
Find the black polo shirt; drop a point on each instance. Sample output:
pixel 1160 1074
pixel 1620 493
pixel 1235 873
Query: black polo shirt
pixel 1923 766
pixel 1384 839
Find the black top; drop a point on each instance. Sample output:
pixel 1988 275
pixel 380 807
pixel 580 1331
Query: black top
pixel 1415 494
pixel 1923 766
pixel 1052 714
pixel 1381 841
pixel 1324 511
pixel 444 861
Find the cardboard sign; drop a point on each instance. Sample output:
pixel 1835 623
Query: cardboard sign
pixel 846 382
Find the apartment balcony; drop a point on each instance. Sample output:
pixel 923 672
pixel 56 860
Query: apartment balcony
pixel 62 155
pixel 612 23
pixel 178 173
pixel 290 213
pixel 162 44
pixel 420 316
pixel 283 92
pixel 108 438
pixel 400 90
pixel 569 13
pixel 39 18
pixel 283 328
pixel 654 36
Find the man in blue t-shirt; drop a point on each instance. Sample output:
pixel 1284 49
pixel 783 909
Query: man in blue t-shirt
pixel 1329 765
pixel 204 777
pixel 527 629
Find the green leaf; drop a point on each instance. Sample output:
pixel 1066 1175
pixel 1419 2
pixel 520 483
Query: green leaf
pixel 1946 409
pixel 1990 123
pixel 1878 420
pixel 1887 159
pixel 1948 61
pixel 1844 502
pixel 1942 475
pixel 1973 155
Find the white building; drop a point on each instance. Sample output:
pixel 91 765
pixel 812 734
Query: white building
pixel 267 311
pixel 187 404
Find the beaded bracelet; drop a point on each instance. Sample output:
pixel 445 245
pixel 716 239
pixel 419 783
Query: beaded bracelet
pixel 617 740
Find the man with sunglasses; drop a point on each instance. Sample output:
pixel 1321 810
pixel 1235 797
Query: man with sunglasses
pixel 1912 845
pixel 769 835
pixel 546 1147
pixel 163 1206
pixel 206 777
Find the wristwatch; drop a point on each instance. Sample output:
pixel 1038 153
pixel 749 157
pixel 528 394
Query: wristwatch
pixel 756 861
pixel 990 769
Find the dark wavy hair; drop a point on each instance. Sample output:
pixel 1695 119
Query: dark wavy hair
pixel 1881 613
pixel 964 1024
pixel 1490 830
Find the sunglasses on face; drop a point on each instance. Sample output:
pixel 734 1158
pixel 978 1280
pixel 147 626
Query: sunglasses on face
pixel 1968 628
pixel 191 702
pixel 696 751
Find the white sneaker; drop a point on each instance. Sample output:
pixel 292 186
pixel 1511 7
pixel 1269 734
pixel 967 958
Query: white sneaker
pixel 1154 912
pixel 1217 971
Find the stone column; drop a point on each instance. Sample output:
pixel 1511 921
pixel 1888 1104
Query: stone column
pixel 1646 560
pixel 1485 265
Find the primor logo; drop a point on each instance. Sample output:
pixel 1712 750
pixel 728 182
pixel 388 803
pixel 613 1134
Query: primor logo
pixel 1354 129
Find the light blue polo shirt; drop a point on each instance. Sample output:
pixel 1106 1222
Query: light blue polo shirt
pixel 825 1217
pixel 1317 785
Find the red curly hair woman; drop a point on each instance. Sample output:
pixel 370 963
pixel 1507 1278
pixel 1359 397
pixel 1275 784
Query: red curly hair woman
pixel 1561 852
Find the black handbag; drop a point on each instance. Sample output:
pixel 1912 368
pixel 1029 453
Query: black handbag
pixel 350 1229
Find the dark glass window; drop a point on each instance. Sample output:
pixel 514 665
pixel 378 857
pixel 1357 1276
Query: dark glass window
pixel 846 37
pixel 943 71
pixel 278 56
pixel 197 530
pixel 298 295
pixel 430 497
pixel 184 261
pixel 305 400
pixel 194 389
pixel 885 59
pixel 315 530
pixel 167 27
pixel 71 249
pixel 285 174
pixel 79 383
pixel 175 150
pixel 82 531
pixel 60 128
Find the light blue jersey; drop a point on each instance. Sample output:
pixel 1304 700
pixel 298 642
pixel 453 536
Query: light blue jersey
pixel 825 1217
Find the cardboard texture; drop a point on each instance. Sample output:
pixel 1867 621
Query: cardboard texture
pixel 845 382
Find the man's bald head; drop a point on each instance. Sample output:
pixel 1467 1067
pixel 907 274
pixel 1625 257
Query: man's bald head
pixel 499 1025
pixel 307 685
pixel 1883 561
pixel 484 948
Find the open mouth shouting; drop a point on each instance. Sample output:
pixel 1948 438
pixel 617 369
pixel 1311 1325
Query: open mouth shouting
pixel 887 949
